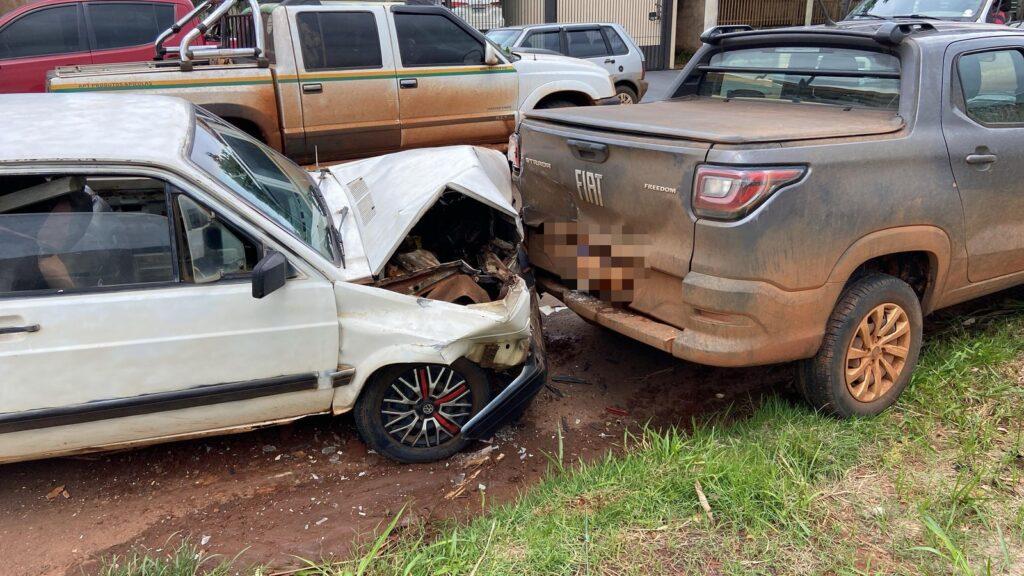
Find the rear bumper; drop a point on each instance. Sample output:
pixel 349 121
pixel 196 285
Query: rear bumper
pixel 508 402
pixel 728 322
pixel 642 85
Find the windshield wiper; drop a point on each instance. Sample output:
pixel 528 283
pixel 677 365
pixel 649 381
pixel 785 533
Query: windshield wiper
pixel 918 16
pixel 867 15
pixel 333 233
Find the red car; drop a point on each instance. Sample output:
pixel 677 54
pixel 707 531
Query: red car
pixel 40 36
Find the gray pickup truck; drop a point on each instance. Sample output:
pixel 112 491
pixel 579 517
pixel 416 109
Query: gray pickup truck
pixel 804 194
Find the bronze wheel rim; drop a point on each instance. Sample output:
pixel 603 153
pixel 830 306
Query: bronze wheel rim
pixel 878 353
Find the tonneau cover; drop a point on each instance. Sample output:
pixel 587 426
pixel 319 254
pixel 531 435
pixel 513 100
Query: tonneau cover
pixel 736 121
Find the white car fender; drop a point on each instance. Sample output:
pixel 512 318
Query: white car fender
pixel 381 328
pixel 560 86
pixel 541 75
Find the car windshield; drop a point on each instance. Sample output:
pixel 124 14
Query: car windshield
pixel 265 180
pixel 945 9
pixel 503 38
pixel 811 74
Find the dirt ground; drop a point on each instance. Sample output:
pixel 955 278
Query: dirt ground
pixel 311 488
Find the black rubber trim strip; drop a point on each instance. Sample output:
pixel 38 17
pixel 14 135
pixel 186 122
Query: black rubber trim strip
pixel 492 416
pixel 152 403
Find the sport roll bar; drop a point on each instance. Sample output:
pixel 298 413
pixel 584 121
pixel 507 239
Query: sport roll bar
pixel 217 10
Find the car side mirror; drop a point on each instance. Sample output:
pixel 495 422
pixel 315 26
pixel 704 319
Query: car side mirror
pixel 269 274
pixel 491 57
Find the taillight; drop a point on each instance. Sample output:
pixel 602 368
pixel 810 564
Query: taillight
pixel 513 152
pixel 457 4
pixel 727 193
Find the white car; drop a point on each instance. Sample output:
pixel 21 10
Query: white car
pixel 480 14
pixel 164 276
pixel 607 45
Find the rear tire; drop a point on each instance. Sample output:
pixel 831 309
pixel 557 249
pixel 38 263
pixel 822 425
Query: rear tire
pixel 384 392
pixel 870 349
pixel 626 95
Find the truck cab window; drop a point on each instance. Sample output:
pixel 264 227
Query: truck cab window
pixel 339 40
pixel 993 86
pixel 71 233
pixel 812 74
pixel 47 31
pixel 434 40
pixel 121 24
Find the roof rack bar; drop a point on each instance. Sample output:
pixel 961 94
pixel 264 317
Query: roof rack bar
pixel 888 34
pixel 711 35
pixel 175 28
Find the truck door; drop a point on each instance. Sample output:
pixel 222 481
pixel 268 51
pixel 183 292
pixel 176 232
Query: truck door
pixel 448 94
pixel 346 76
pixel 36 42
pixel 983 124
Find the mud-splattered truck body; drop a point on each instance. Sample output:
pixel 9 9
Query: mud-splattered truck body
pixel 788 174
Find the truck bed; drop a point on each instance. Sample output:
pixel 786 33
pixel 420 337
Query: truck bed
pixel 144 74
pixel 723 121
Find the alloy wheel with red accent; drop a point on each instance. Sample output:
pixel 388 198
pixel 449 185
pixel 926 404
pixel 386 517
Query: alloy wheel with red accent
pixel 415 412
pixel 427 406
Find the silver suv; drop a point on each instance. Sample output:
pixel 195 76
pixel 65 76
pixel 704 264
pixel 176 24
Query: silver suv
pixel 607 45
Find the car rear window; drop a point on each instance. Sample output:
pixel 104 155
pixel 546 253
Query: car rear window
pixel 820 75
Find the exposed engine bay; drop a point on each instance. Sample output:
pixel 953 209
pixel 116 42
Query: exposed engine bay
pixel 461 251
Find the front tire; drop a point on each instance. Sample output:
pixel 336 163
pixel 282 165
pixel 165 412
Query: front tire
pixel 415 412
pixel 870 349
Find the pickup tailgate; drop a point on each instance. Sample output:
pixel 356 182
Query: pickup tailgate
pixel 633 190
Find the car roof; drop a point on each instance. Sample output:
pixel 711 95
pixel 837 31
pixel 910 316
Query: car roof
pixel 115 128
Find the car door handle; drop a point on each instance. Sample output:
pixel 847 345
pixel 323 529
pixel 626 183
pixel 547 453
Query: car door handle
pixel 610 61
pixel 407 83
pixel 588 151
pixel 19 329
pixel 976 159
pixel 312 88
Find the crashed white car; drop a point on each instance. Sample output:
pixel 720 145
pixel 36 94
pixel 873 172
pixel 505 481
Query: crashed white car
pixel 164 276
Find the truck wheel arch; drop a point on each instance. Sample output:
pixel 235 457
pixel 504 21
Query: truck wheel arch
pixel 560 88
pixel 929 240
pixel 245 119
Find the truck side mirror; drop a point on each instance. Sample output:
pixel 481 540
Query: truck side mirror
pixel 491 56
pixel 269 274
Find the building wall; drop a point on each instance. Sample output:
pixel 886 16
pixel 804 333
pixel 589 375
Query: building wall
pixel 690 24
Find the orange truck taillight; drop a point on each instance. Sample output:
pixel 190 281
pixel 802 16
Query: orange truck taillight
pixel 730 192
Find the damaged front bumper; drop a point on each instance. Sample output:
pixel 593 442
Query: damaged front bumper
pixel 510 401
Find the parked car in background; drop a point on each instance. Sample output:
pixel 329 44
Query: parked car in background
pixel 607 45
pixel 164 276
pixel 346 80
pixel 480 14
pixel 805 194
pixel 982 11
pixel 40 36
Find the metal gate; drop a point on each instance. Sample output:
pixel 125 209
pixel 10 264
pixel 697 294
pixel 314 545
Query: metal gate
pixel 775 13
pixel 649 22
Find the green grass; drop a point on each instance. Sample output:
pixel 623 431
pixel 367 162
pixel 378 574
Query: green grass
pixel 931 487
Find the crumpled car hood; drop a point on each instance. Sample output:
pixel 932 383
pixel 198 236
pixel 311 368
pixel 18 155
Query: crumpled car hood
pixel 387 195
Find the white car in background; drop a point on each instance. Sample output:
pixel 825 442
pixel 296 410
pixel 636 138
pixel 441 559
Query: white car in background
pixel 480 14
pixel 608 45
pixel 165 276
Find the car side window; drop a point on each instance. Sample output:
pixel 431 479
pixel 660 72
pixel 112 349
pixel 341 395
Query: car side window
pixel 435 40
pixel 211 249
pixel 338 40
pixel 64 232
pixel 46 31
pixel 547 40
pixel 616 42
pixel 586 43
pixel 122 24
pixel 993 86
